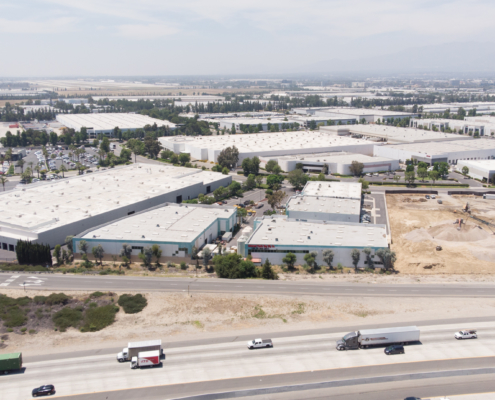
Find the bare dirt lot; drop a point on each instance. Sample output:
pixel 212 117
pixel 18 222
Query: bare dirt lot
pixel 418 226
pixel 177 316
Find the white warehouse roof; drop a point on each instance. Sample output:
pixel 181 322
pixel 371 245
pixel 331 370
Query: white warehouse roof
pixel 322 204
pixel 106 122
pixel 341 190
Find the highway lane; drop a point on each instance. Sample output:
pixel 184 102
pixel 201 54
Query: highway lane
pixel 205 285
pixel 230 365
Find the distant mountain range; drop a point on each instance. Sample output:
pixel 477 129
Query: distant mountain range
pixel 450 57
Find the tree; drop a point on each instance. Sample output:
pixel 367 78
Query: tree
pixel 465 170
pixel 387 256
pixel 324 169
pixel 299 165
pixel 275 199
pixel 98 253
pixel 206 257
pixel 63 169
pixel 290 260
pixel 310 259
pixel 364 183
pixel 3 181
pixel 250 182
pixel 220 193
pixel 410 177
pixel 270 165
pixel 369 260
pixel 184 158
pixel 422 173
pixel 235 188
pixel 57 254
pixel 105 144
pixel 53 138
pixel 422 164
pixel 355 255
pixel 232 266
pixel 356 168
pixel 441 167
pixel 267 272
pixel 146 256
pixel 174 159
pixel 157 253
pixel 38 169
pixel 328 257
pixel 397 178
pixel 83 247
pixel 228 157
pixel 27 176
pixel 259 180
pixel 125 253
pixel 20 164
pixel 241 213
pixel 297 178
pixel 410 168
pixel 225 171
pixel 273 181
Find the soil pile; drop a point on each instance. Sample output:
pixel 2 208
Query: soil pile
pixel 449 233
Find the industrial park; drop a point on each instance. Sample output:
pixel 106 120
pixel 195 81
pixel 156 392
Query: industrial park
pixel 199 203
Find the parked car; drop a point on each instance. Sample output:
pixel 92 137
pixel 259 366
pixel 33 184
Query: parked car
pixel 433 197
pixel 44 390
pixel 247 202
pixel 394 349
pixel 466 334
pixel 427 197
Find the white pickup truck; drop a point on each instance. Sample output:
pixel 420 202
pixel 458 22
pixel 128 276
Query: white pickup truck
pixel 259 343
pixel 466 334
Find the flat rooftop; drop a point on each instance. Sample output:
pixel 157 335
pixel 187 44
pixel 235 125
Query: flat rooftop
pixel 45 205
pixel 342 190
pixel 256 142
pixel 321 204
pixel 335 157
pixel 283 232
pixel 439 148
pixel 169 223
pixel 108 121
pixel 485 164
pixel 361 112
pixel 395 134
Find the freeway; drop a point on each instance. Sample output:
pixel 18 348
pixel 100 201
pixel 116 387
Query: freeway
pixel 310 360
pixel 214 285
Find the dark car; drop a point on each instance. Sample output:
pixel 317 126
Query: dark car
pixel 247 202
pixel 44 390
pixel 394 349
pixel 241 205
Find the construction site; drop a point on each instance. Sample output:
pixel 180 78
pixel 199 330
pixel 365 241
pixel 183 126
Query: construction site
pixel 442 235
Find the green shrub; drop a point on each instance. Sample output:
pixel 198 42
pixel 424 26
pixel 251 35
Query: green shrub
pixel 39 299
pixel 93 305
pixel 57 298
pixel 27 268
pixel 11 312
pixel 132 304
pixel 183 265
pixel 95 295
pixel 10 330
pixel 39 313
pixel 23 330
pixel 98 318
pixel 32 331
pixel 66 318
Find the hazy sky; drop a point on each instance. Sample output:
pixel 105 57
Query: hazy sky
pixel 162 37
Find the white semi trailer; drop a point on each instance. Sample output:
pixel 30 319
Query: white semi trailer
pixel 378 337
pixel 134 348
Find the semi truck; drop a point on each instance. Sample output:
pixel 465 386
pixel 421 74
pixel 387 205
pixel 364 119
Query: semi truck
pixel 146 359
pixel 10 362
pixel 378 337
pixel 134 348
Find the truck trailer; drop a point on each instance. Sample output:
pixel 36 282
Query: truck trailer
pixel 134 348
pixel 146 359
pixel 378 337
pixel 10 362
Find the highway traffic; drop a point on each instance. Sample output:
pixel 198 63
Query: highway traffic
pixel 230 366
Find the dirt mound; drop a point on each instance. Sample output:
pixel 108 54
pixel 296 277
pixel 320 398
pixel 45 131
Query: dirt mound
pixel 418 235
pixel 449 233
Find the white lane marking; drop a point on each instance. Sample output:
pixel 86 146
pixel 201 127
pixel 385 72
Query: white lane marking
pixel 4 284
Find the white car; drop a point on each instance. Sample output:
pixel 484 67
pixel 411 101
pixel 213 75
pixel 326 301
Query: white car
pixel 466 334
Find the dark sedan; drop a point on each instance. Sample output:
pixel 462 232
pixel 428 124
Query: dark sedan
pixel 44 390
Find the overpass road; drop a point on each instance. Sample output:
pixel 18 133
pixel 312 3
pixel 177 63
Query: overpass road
pixel 309 361
pixel 214 285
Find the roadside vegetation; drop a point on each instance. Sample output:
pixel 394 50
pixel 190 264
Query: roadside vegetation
pixel 59 312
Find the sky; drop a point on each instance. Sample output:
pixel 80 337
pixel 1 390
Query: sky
pixel 188 37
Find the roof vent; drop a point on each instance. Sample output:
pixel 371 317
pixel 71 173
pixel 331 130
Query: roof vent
pixel 309 237
pixel 142 236
pixel 158 225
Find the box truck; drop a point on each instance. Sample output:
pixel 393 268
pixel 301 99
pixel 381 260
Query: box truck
pixel 377 337
pixel 146 359
pixel 10 362
pixel 134 348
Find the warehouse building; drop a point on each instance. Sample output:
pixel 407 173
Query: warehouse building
pixel 175 228
pixel 450 151
pixel 106 122
pixel 275 236
pixel 266 144
pixel 478 169
pixel 469 126
pixel 263 124
pixel 320 208
pixel 47 212
pixel 338 190
pixel 482 107
pixel 337 162
pixel 359 114
pixel 391 134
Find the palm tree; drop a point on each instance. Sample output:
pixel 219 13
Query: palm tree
pixel 37 169
pixel 3 181
pixel 21 163
pixel 31 165
pixel 63 169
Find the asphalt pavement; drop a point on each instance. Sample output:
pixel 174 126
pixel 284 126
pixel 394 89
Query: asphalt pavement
pixel 215 285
